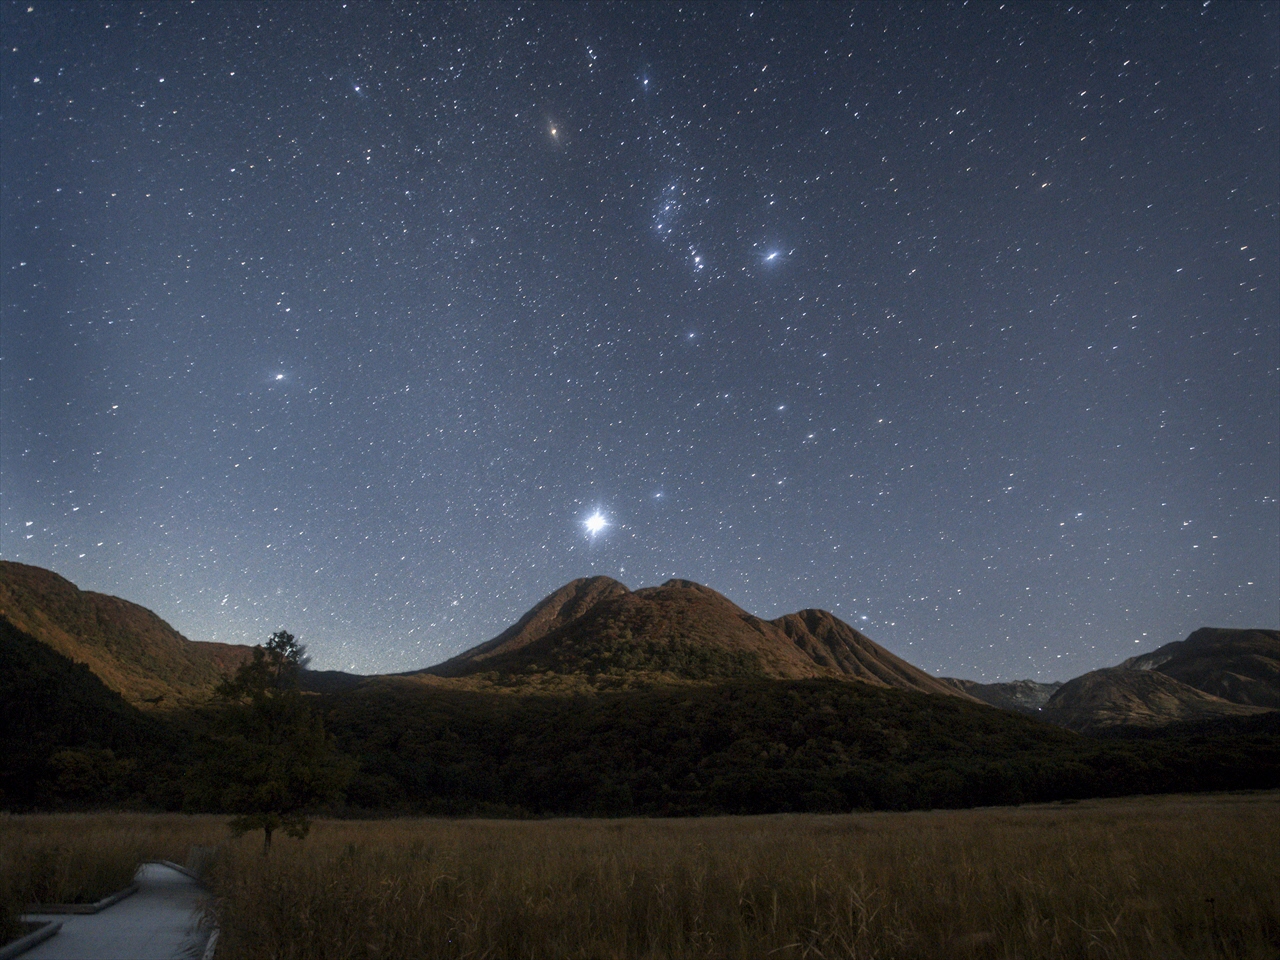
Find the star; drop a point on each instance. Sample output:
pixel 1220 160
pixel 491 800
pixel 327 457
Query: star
pixel 633 299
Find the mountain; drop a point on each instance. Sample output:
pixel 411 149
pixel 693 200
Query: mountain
pixel 1122 696
pixel 1214 673
pixel 547 615
pixel 128 647
pixel 66 738
pixel 695 707
pixel 1203 677
pixel 596 633
pixel 1242 666
pixel 1021 696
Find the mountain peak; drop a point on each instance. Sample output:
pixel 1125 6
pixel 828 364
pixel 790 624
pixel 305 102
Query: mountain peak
pixel 551 613
pixel 676 583
pixel 604 635
pixel 830 642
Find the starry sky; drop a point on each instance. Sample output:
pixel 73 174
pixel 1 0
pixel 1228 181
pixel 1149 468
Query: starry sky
pixel 380 322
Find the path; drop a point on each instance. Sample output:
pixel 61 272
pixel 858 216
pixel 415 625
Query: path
pixel 159 922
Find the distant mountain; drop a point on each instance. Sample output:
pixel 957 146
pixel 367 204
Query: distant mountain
pixel 1021 696
pixel 128 647
pixel 834 645
pixel 596 633
pixel 554 611
pixel 1206 676
pixel 1242 666
pixel 1121 696
pixel 1214 673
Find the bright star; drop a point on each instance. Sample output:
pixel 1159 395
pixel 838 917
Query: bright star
pixel 595 523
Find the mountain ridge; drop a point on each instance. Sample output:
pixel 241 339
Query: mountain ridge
pixel 546 615
pixel 695 725
pixel 1122 696
pixel 1215 672
pixel 594 634
pixel 681 631
pixel 1242 666
pixel 129 647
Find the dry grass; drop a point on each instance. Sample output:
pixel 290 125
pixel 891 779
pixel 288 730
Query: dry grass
pixel 1164 877
pixel 1153 877
pixel 81 858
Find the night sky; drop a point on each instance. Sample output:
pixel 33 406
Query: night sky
pixel 958 321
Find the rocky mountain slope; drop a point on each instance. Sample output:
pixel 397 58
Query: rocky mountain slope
pixel 1121 696
pixel 1021 696
pixel 1215 672
pixel 1242 666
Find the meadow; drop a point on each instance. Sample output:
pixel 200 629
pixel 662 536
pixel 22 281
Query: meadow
pixel 1170 876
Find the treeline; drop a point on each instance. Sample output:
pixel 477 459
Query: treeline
pixel 741 746
pixel 757 747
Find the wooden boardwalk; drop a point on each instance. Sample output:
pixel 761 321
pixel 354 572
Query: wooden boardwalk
pixel 162 921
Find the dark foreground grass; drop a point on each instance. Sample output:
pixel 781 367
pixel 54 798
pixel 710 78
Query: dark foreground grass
pixel 1172 876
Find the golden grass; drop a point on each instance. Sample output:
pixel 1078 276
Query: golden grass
pixel 1168 877
pixel 1152 877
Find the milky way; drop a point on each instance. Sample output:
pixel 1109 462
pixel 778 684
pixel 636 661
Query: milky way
pixel 960 322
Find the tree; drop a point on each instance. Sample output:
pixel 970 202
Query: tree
pixel 271 761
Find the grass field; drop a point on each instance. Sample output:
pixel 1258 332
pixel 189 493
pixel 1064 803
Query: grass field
pixel 1173 876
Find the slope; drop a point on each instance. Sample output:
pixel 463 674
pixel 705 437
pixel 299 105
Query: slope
pixel 1118 696
pixel 66 738
pixel 1021 696
pixel 596 633
pixel 1242 666
pixel 131 649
